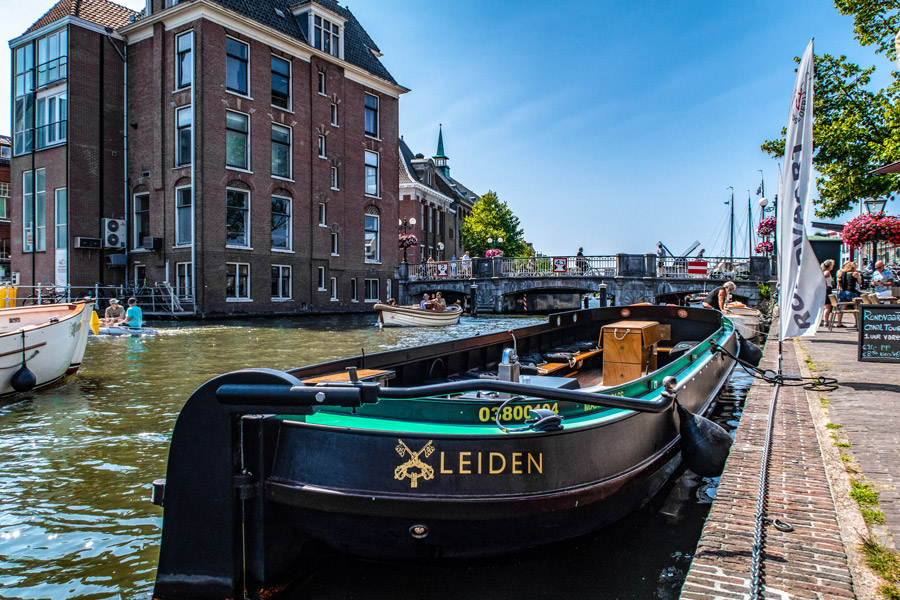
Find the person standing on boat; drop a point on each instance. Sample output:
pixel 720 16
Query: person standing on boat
pixel 114 313
pixel 134 316
pixel 717 298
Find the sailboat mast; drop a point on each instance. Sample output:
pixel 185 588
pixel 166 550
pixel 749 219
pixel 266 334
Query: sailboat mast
pixel 749 228
pixel 731 252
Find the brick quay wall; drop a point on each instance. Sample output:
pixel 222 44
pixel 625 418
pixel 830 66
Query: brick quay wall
pixel 817 559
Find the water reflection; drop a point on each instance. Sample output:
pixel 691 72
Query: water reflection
pixel 76 461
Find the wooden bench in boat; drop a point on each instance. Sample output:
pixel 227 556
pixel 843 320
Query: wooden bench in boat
pixel 553 367
pixel 363 374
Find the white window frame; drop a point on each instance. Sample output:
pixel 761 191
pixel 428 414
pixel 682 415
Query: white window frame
pixel 245 169
pixel 247 70
pixel 51 120
pixel 23 93
pixel 247 220
pixel 334 289
pixel 137 240
pixel 239 296
pixel 377 258
pixel 335 244
pixel 354 289
pixel 322 147
pixel 290 76
pixel 290 151
pixel 323 215
pixel 183 273
pixel 290 225
pixel 334 115
pixel 335 178
pixel 366 290
pixel 40 214
pixel 5 152
pixel 318 35
pixel 290 291
pixel 4 199
pixel 178 210
pixel 377 111
pixel 178 65
pixel 179 159
pixel 61 59
pixel 321 83
pixel 321 282
pixel 377 174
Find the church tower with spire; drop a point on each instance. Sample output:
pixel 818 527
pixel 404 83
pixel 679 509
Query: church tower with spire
pixel 440 159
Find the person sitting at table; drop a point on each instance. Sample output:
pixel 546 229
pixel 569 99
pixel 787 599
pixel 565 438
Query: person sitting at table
pixel 882 280
pixel 849 281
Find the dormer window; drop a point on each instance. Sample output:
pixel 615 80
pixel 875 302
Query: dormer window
pixel 322 28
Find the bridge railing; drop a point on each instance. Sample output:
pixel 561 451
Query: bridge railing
pixel 625 265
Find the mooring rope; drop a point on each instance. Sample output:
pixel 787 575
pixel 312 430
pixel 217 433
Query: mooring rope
pixel 759 533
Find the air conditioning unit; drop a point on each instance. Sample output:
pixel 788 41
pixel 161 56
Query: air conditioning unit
pixel 151 243
pixel 88 243
pixel 113 231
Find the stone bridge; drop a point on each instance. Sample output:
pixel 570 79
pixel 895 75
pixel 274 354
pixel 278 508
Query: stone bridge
pixel 504 285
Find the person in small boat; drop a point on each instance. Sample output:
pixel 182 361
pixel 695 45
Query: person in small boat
pixel 134 316
pixel 114 313
pixel 425 304
pixel 717 298
pixel 438 303
pixel 391 302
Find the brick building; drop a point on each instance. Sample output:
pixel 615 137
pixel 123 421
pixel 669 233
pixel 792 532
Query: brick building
pixel 251 175
pixel 437 202
pixel 5 159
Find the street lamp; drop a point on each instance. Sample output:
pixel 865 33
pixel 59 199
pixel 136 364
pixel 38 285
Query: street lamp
pixel 491 242
pixel 875 206
pixel 406 224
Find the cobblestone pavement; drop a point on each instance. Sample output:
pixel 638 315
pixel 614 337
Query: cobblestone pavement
pixel 866 406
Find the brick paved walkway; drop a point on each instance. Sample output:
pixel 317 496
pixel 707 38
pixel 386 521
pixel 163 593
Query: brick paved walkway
pixel 809 563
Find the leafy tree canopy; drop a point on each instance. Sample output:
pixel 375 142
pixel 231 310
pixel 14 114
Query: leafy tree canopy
pixel 492 218
pixel 855 130
pixel 875 22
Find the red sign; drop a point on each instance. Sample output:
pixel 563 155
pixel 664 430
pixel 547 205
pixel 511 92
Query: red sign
pixel 697 267
pixel 560 265
pixel 443 269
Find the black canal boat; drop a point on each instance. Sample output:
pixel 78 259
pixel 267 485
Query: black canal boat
pixel 473 447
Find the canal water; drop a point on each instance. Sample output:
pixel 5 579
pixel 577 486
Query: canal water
pixel 76 461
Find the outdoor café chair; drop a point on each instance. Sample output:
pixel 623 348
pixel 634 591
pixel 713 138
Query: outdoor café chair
pixel 840 308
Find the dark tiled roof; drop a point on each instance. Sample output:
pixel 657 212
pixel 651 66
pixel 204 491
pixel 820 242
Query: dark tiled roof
pixel 444 183
pixel 358 45
pixel 101 12
pixel 407 156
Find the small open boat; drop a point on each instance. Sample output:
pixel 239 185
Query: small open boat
pixel 118 330
pixel 413 316
pixel 473 447
pixel 747 320
pixel 41 344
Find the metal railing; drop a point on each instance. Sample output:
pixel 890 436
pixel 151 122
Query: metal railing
pixel 157 299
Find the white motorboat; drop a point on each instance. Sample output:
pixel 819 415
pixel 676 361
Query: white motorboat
pixel 747 321
pixel 120 330
pixel 413 316
pixel 41 344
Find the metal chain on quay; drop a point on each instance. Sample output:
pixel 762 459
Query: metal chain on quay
pixel 779 379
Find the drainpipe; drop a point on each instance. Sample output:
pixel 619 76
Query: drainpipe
pixel 34 140
pixel 194 158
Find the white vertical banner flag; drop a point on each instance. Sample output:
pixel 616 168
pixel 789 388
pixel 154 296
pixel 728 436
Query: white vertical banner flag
pixel 802 287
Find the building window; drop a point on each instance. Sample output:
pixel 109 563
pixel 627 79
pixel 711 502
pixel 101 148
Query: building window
pixel 52 61
pixel 4 200
pixel 371 290
pixel 5 152
pixel 334 245
pixel 327 36
pixel 321 271
pixel 184 217
pixel 354 293
pixel 237 281
pixel 140 276
pixel 321 146
pixel 371 173
pixel 322 82
pixel 237 66
pixel 281 282
pixel 281 83
pixel 281 151
pixel 183 60
pixel 372 115
pixel 334 114
pixel 322 220
pixel 62 219
pixel 334 178
pixel 183 275
pixel 237 218
pixel 372 234
pixel 23 110
pixel 141 219
pixel 184 117
pixel 281 223
pixel 52 113
pixel 237 140
pixel 334 289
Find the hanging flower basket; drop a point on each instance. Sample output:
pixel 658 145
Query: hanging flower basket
pixel 408 241
pixel 764 248
pixel 866 228
pixel 766 227
pixel 493 252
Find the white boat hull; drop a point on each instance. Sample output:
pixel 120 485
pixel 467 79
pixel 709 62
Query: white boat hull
pixel 406 316
pixel 126 331
pixel 53 337
pixel 748 326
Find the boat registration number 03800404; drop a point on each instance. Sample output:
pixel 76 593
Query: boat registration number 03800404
pixel 510 412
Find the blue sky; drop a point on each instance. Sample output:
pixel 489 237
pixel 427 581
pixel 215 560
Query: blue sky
pixel 607 125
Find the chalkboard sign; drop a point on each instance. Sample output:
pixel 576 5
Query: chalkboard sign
pixel 879 332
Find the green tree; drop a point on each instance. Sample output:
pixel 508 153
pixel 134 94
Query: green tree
pixel 855 130
pixel 875 22
pixel 492 218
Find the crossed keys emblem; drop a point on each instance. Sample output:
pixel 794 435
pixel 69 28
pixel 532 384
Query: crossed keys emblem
pixel 419 469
